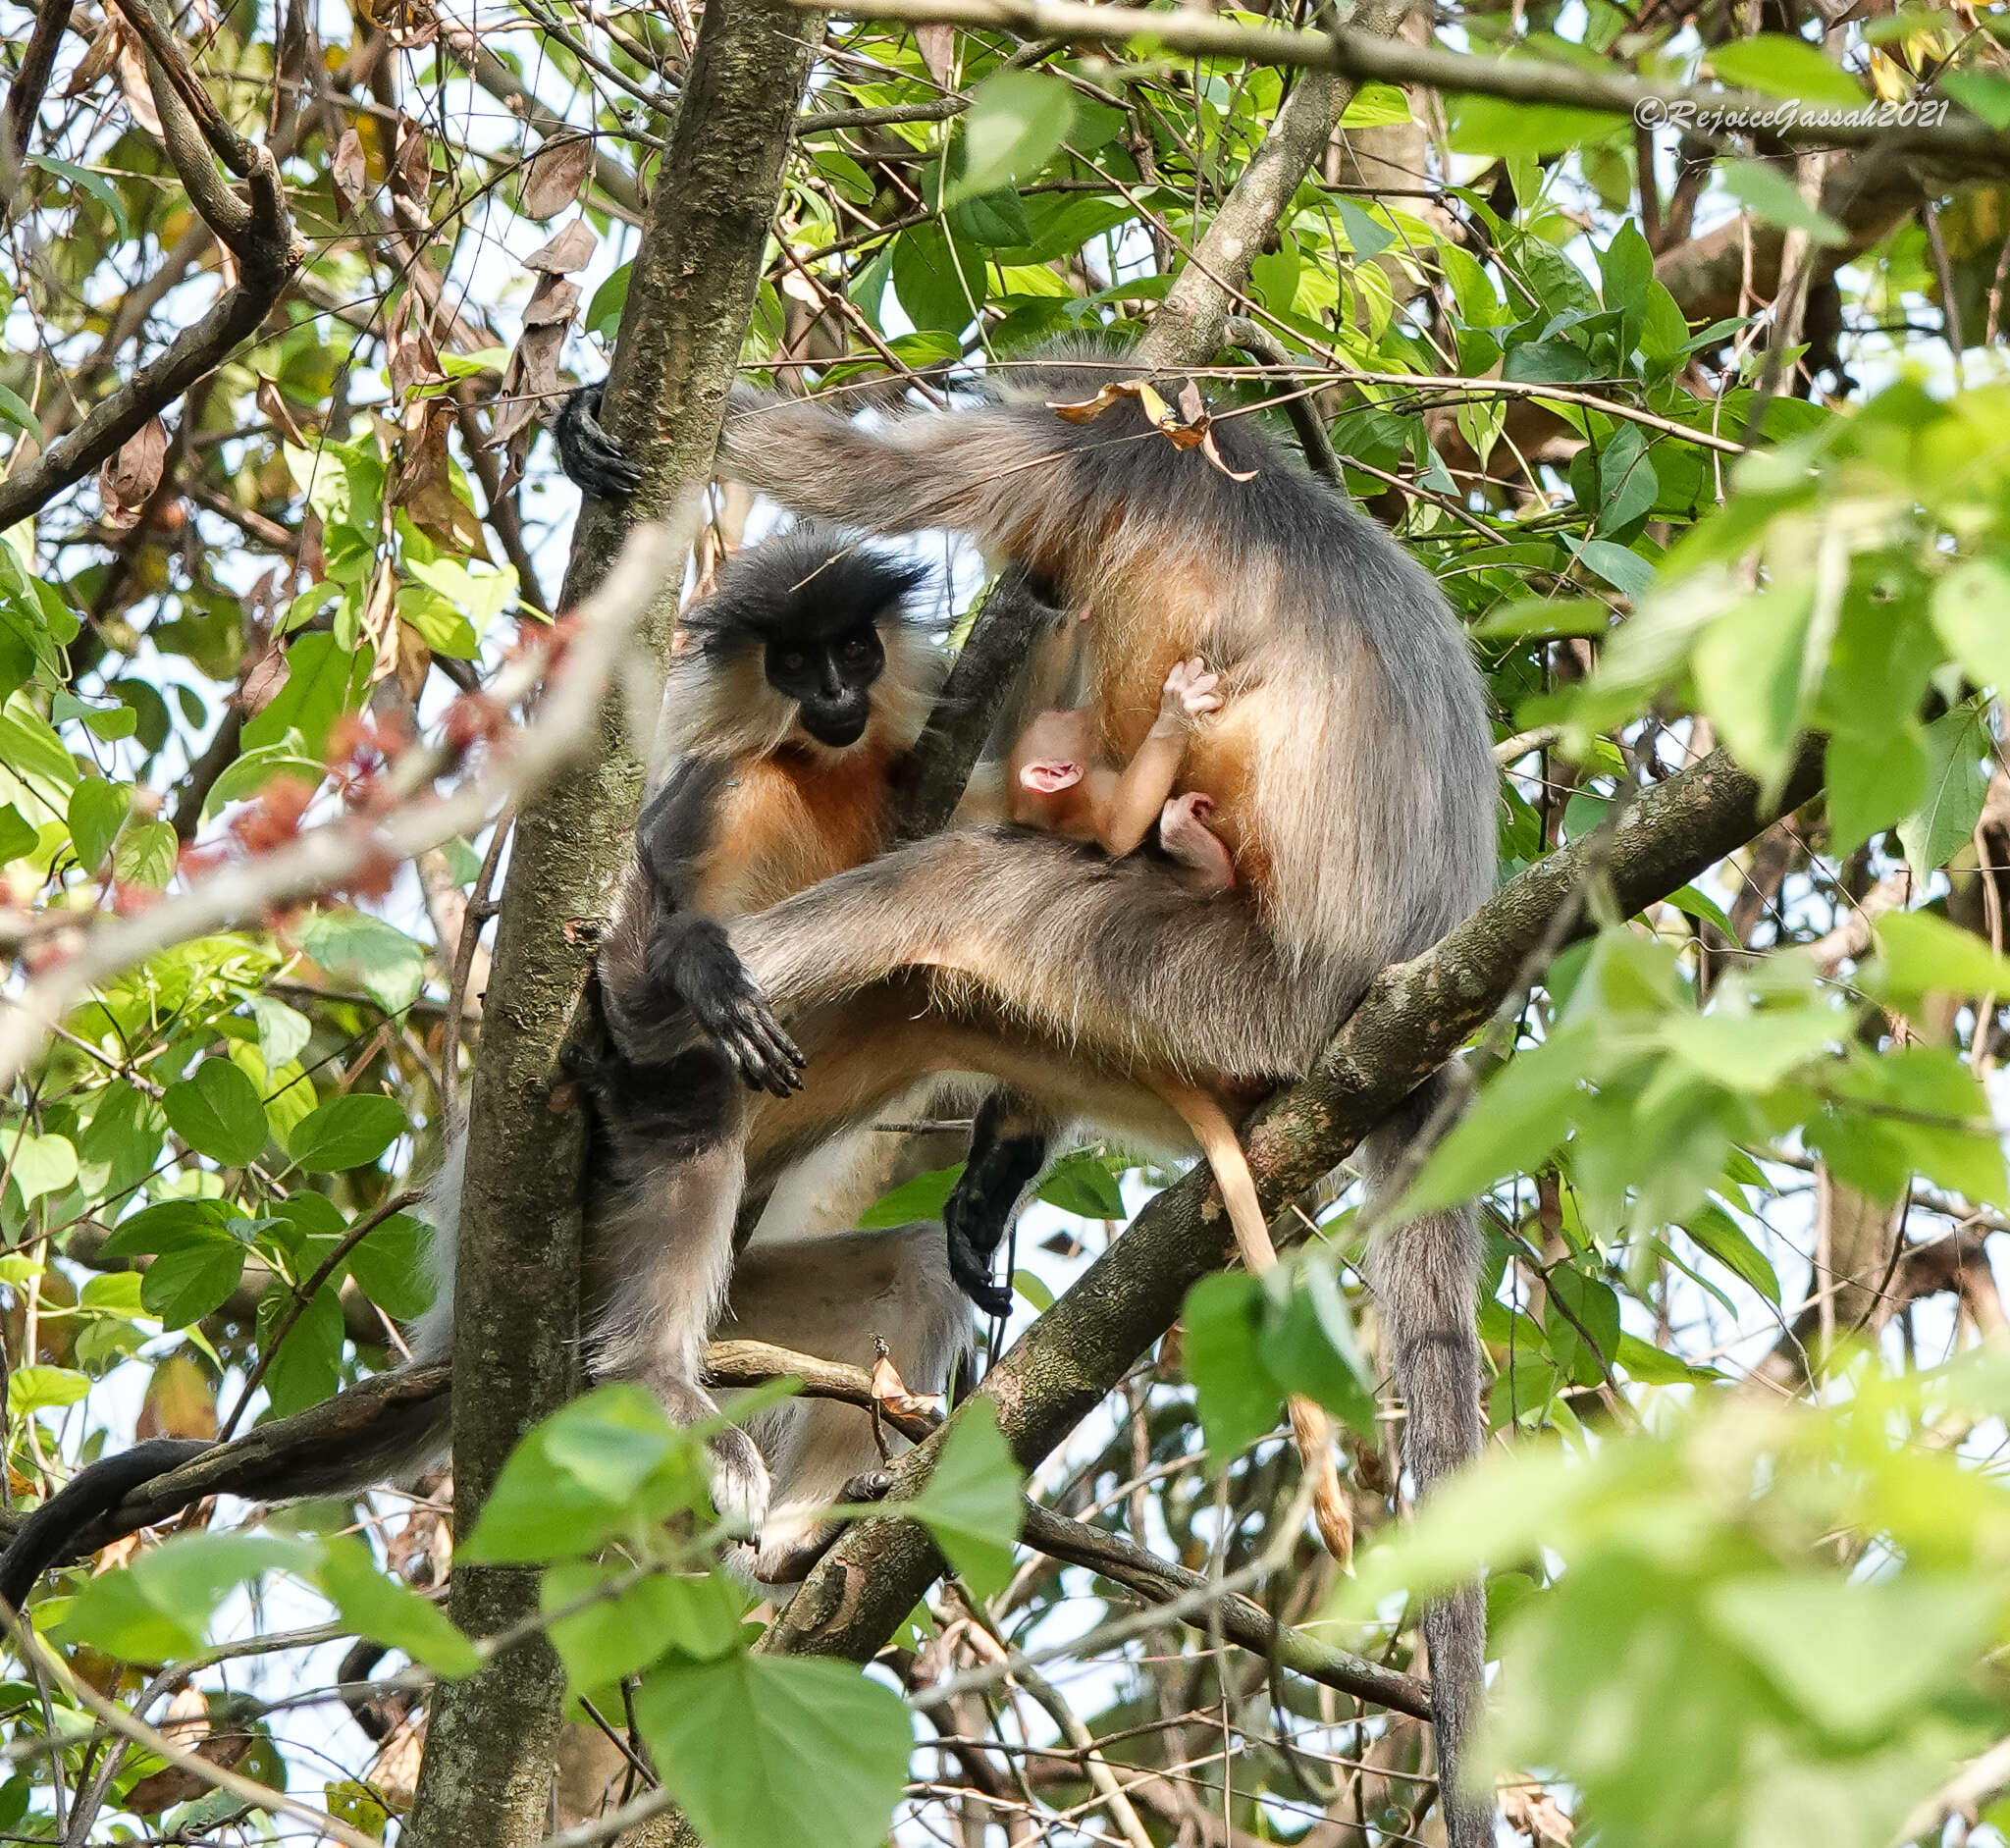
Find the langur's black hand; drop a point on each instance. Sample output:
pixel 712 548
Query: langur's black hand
pixel 591 459
pixel 736 1014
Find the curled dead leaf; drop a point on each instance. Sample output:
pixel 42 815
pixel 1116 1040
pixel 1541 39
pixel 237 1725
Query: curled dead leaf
pixel 191 1725
pixel 556 175
pixel 890 1394
pixel 350 173
pixel 278 412
pixel 128 480
pixel 937 46
pixel 571 249
pixel 180 1402
pixel 133 84
pixel 411 162
pixel 98 58
pixel 393 1773
pixel 263 682
pixel 1534 1812
pixel 1190 427
pixel 414 359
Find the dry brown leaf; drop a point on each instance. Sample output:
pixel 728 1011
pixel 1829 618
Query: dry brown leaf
pixel 132 63
pixel 278 412
pixel 1088 409
pixel 263 682
pixel 380 622
pixel 411 162
pixel 189 1725
pixel 394 1773
pixel 128 480
pixel 425 481
pixel 415 661
pixel 556 175
pixel 180 1402
pixel 889 1391
pixel 349 172
pixel 414 359
pixel 571 249
pixel 1213 455
pixel 1534 1812
pixel 937 46
pixel 98 58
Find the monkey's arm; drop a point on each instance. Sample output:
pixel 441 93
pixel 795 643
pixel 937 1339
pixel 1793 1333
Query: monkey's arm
pixel 688 952
pixel 1126 812
pixel 590 457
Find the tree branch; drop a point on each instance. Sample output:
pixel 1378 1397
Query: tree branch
pixel 1967 148
pixel 487 1768
pixel 260 234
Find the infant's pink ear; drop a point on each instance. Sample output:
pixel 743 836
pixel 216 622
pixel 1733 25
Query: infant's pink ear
pixel 1050 778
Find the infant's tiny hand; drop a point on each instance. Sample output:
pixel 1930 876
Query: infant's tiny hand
pixel 1191 691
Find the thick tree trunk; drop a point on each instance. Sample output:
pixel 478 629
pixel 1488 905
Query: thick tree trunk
pixel 488 1768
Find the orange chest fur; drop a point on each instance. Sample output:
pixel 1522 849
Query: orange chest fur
pixel 788 821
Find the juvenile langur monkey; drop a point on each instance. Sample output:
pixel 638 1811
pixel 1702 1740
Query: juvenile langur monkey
pixel 1054 782
pixel 1352 784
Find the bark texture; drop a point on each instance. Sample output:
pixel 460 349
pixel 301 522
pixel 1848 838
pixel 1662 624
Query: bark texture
pixel 488 1766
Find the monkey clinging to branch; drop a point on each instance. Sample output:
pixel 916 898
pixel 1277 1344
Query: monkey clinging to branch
pixel 1353 787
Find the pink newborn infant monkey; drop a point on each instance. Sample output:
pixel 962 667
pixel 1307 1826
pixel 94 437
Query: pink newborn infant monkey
pixel 1055 781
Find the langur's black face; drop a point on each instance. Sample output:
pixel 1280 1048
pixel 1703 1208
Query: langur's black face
pixel 831 678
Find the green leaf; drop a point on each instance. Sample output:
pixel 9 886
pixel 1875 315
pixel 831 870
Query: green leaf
pixel 374 1604
pixel 1983 93
pixel 97 812
pixel 1771 195
pixel 1752 1051
pixel 323 679
pixel 1366 236
pixel 1920 953
pixel 611 1637
pixel 145 854
pixel 763 1751
pixel 282 1032
pixel 1017 121
pixel 1717 1234
pixel 306 1366
pixel 1970 608
pixel 218 1112
pixel 972 1502
pixel 17 836
pixel 1082 1184
pixel 40 1165
pixel 1520 1116
pixel 18 411
pixel 1778 66
pixel 346 1133
pixel 97 184
pixel 1856 1658
pixel 1944 821
pixel 183 1286
pixel 1871 785
pixel 1592 1302
pixel 1624 568
pixel 1237 1396
pixel 160 1606
pixel 389 1265
pixel 39 1387
pixel 390 965
pixel 922 1198
pixel 1751 673
pixel 606 1463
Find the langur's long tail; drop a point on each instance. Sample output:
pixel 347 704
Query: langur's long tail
pixel 1426 1275
pixel 1310 1430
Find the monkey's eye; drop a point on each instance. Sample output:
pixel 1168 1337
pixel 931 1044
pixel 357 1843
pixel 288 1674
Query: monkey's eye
pixel 794 661
pixel 855 649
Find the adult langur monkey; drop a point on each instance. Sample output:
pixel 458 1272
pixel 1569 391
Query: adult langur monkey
pixel 1350 776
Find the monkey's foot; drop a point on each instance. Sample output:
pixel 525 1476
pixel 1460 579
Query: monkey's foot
pixel 789 1548
pixel 739 1479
